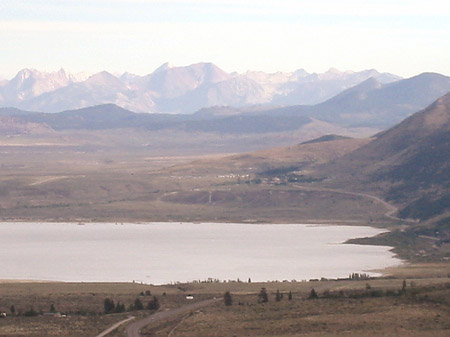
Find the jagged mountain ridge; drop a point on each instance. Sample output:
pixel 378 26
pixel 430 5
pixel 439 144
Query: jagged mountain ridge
pixel 369 104
pixel 175 89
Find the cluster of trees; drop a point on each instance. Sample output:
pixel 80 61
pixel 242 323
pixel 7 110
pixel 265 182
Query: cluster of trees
pixel 212 280
pixel 110 307
pixel 153 304
pixel 146 293
pixel 263 297
pixel 359 293
pixel 358 276
pixel 31 311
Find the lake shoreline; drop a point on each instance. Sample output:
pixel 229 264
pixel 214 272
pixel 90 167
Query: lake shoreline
pixel 258 251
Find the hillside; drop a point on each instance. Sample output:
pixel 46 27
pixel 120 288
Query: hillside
pixel 304 156
pixel 409 163
pixel 409 166
pixel 374 104
pixel 15 126
pixel 207 122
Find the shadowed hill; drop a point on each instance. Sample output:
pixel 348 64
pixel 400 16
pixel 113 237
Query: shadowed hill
pixel 373 104
pixel 102 117
pixel 110 116
pixel 409 163
pixel 326 138
pixel 15 112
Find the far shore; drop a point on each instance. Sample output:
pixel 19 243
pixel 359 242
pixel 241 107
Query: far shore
pixel 28 281
pixel 231 221
pixel 405 270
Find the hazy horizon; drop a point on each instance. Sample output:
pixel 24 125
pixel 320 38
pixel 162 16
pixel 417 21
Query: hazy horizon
pixel 137 36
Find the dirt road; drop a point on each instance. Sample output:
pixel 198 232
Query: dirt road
pixel 391 208
pixel 133 330
pixel 114 327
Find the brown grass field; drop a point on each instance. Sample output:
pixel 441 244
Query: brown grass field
pixel 92 183
pixel 352 308
pixel 399 316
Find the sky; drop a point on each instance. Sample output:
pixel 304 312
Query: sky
pixel 401 37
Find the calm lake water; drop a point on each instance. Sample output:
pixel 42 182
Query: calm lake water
pixel 166 252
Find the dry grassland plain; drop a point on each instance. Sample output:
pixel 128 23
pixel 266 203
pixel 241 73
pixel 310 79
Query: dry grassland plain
pixel 374 307
pixel 88 182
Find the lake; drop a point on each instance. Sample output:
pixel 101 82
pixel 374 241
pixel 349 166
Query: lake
pixel 160 253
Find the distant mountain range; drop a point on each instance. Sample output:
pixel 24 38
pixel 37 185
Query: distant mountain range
pixel 368 105
pixel 177 89
pixel 372 101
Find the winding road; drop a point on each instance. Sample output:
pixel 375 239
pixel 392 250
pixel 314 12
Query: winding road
pixel 114 327
pixel 133 330
pixel 391 208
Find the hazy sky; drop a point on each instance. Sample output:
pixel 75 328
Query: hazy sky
pixel 402 37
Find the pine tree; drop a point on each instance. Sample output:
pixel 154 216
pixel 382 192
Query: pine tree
pixel 153 304
pixel 278 296
pixel 138 304
pixel 227 299
pixel 263 298
pixel 313 295
pixel 31 312
pixel 120 307
pixel 108 305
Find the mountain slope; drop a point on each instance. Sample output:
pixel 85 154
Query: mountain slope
pixel 104 117
pixel 170 82
pixel 409 164
pixel 100 88
pixel 372 103
pixel 15 112
pixel 16 126
pixel 316 88
pixel 30 83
